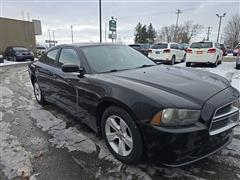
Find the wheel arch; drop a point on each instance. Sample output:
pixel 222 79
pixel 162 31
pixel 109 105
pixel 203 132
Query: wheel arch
pixel 106 103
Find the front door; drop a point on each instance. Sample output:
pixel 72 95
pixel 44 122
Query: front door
pixel 66 90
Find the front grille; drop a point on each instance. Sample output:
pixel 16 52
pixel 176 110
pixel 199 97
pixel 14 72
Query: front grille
pixel 224 118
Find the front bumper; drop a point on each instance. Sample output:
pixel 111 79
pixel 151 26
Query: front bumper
pixel 178 149
pixel 23 57
pixel 177 146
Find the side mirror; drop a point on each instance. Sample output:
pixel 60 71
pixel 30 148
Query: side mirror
pixel 70 68
pixel 73 68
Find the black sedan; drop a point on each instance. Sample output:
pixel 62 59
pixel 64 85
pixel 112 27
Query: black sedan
pixel 142 48
pixel 16 53
pixel 168 115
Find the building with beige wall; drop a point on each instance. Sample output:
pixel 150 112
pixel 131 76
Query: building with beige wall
pixel 16 33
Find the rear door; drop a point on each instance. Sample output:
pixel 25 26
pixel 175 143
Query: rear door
pixel 45 74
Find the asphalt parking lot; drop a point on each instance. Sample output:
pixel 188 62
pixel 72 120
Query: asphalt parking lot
pixel 46 143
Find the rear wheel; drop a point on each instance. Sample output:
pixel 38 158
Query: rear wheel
pixel 184 58
pixel 172 62
pixel 121 135
pixel 38 93
pixel 188 64
pixel 216 63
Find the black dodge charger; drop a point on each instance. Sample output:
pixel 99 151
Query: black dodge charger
pixel 168 115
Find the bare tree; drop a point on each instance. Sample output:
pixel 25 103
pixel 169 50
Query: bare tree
pixel 232 31
pixel 185 32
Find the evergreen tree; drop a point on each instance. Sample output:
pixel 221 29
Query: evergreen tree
pixel 151 33
pixel 143 34
pixel 137 33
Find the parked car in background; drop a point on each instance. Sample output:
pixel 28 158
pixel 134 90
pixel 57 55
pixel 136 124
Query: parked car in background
pixel 236 49
pixel 224 49
pixel 142 48
pixel 40 50
pixel 18 53
pixel 167 52
pixel 173 116
pixel 204 52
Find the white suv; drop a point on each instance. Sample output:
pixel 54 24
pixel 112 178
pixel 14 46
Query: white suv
pixel 167 52
pixel 204 52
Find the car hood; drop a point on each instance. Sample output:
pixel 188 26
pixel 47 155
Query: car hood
pixel 192 84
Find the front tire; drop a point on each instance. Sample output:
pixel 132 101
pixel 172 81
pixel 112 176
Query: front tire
pixel 14 58
pixel 38 93
pixel 121 135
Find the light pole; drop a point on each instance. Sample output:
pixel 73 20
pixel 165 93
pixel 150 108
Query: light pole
pixel 100 20
pixel 72 32
pixel 220 21
pixel 176 27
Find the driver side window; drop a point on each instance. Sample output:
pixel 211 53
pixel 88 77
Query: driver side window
pixel 68 56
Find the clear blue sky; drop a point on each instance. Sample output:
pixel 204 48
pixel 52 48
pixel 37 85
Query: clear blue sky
pixel 83 15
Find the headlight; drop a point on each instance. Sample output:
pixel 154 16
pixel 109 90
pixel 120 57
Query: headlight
pixel 175 117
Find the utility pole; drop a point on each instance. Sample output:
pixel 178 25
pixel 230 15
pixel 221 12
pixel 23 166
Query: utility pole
pixel 208 33
pixel 105 32
pixel 100 20
pixel 175 34
pixel 220 21
pixel 72 33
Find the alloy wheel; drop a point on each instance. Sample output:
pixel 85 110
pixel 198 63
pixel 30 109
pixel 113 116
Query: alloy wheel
pixel 118 135
pixel 37 92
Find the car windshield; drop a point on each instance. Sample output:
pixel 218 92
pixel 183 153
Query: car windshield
pixel 202 45
pixel 159 46
pixel 115 58
pixel 20 49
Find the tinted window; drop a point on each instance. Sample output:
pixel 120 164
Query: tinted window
pixel 68 56
pixel 50 57
pixel 174 46
pixel 159 46
pixel 201 45
pixel 111 58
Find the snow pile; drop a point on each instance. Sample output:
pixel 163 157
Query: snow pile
pixel 63 137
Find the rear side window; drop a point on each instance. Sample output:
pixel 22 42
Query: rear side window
pixel 201 45
pixel 159 46
pixel 50 57
pixel 174 46
pixel 68 56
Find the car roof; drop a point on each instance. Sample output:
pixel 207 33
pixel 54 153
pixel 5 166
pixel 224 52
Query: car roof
pixel 77 45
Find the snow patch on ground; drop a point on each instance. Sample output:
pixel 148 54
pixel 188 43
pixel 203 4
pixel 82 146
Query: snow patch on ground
pixel 63 137
pixel 8 63
pixel 14 159
pixel 5 92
